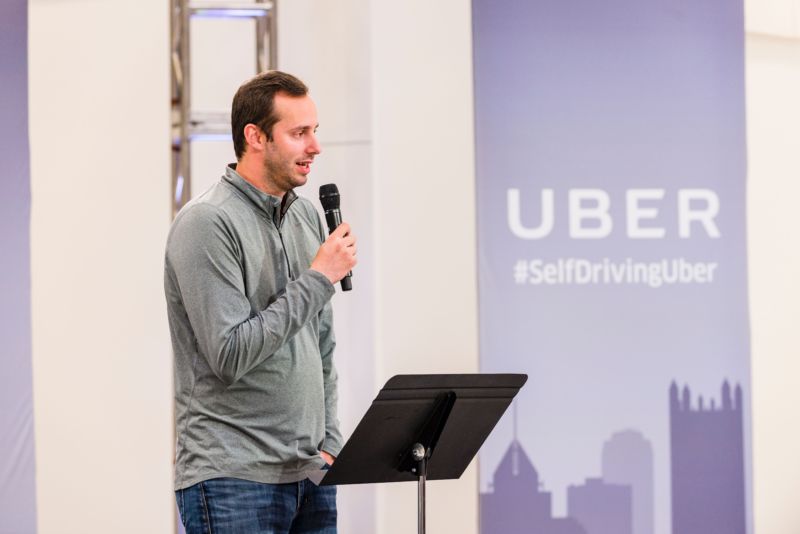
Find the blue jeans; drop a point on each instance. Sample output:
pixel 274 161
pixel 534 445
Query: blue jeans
pixel 234 506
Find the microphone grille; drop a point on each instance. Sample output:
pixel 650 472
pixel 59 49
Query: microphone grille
pixel 329 196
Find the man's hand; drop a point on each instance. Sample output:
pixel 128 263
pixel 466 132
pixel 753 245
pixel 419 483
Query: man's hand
pixel 327 457
pixel 337 255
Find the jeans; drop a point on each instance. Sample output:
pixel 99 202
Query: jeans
pixel 234 506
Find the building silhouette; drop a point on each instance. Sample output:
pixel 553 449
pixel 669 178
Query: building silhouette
pixel 628 459
pixel 600 507
pixel 516 504
pixel 707 454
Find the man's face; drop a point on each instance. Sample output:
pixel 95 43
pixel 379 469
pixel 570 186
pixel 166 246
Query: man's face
pixel 288 157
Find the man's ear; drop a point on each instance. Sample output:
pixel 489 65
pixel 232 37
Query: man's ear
pixel 254 137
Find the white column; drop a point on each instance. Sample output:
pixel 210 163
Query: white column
pixel 100 175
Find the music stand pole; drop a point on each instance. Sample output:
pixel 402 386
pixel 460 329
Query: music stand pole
pixel 418 452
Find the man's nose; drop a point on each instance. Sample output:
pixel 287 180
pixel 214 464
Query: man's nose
pixel 313 146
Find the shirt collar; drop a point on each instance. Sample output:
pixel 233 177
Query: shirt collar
pixel 274 207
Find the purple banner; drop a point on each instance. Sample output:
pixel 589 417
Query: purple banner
pixel 17 476
pixel 612 265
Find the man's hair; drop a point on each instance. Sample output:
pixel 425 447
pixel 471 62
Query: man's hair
pixel 254 103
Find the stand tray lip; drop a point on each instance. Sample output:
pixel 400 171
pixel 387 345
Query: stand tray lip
pixel 464 380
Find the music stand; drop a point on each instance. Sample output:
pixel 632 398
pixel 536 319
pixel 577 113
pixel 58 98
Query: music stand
pixel 415 416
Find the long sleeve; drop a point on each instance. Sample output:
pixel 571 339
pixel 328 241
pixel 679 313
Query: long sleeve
pixel 327 342
pixel 204 258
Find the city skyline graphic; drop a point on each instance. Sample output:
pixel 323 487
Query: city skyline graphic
pixel 707 468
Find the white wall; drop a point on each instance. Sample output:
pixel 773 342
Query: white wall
pixel 100 174
pixel 773 117
pixel 423 150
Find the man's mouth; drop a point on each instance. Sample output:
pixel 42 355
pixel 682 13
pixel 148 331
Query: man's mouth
pixel 305 166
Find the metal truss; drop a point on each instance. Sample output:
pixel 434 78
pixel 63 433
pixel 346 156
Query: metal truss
pixel 189 125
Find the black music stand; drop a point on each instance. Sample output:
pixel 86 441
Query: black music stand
pixel 424 427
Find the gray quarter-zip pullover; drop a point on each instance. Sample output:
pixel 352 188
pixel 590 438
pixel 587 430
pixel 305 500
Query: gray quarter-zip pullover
pixel 251 326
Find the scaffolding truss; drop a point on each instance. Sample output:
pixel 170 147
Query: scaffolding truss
pixel 189 125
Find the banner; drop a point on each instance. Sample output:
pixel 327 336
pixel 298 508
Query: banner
pixel 17 478
pixel 610 147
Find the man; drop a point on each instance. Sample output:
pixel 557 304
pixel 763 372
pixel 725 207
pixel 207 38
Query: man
pixel 248 277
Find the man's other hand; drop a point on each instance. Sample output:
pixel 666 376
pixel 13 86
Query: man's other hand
pixel 337 255
pixel 327 457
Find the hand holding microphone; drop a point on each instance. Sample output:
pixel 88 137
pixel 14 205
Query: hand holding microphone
pixel 336 256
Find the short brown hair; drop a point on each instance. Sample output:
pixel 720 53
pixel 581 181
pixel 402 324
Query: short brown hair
pixel 254 104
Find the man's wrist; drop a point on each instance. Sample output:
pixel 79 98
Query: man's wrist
pixel 320 275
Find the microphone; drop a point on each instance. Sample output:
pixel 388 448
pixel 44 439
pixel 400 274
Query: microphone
pixel 329 198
